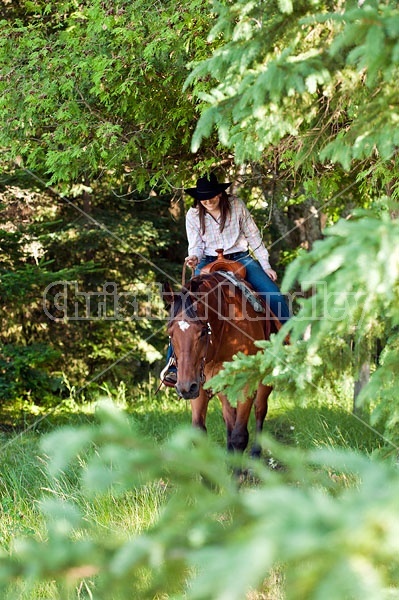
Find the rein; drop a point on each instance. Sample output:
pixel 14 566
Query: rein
pixel 183 274
pixel 203 359
pixel 220 339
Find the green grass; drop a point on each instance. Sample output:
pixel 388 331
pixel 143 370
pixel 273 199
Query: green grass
pixel 325 421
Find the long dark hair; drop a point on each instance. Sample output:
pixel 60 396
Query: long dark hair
pixel 225 210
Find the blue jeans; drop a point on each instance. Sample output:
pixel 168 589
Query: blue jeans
pixel 260 281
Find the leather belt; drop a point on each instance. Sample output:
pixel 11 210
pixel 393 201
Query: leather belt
pixel 232 256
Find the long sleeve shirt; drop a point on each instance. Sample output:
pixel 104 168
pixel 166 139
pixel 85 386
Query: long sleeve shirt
pixel 240 233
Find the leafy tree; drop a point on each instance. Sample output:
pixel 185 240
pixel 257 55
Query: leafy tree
pixel 95 91
pixel 292 100
pixel 326 79
pixel 96 126
pixel 97 131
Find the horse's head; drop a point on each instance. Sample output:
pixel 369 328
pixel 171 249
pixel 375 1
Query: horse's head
pixel 189 332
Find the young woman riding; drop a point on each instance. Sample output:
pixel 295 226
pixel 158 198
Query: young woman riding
pixel 217 220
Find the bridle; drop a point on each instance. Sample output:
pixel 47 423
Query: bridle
pixel 207 327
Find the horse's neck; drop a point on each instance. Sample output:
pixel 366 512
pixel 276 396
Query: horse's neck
pixel 228 317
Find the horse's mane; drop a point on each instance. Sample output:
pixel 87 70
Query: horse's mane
pixel 183 302
pixel 186 300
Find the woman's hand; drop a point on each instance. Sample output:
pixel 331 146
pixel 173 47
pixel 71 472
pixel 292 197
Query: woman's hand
pixel 272 274
pixel 191 261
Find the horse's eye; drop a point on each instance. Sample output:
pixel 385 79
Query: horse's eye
pixel 204 332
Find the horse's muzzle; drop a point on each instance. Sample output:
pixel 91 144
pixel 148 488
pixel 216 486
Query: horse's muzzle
pixel 188 390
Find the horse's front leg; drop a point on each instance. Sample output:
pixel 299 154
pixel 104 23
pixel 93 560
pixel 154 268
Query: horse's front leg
pixel 236 420
pixel 240 435
pixel 199 407
pixel 261 406
pixel 229 417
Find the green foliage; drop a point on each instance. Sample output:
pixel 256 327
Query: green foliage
pixel 333 511
pixel 24 373
pixel 93 90
pixel 317 75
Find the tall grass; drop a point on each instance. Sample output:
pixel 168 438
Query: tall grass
pixel 24 480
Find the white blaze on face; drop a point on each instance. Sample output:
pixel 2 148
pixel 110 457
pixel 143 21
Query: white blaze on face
pixel 183 325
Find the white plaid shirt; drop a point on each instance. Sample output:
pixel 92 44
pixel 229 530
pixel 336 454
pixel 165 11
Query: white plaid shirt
pixel 239 233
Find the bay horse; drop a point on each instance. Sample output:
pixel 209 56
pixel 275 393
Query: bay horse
pixel 210 321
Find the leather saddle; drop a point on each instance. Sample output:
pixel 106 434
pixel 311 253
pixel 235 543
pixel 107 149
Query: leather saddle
pixel 238 270
pixel 223 264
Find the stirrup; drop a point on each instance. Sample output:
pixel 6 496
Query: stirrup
pixel 168 374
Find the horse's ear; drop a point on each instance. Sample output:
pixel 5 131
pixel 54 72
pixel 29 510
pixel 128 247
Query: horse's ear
pixel 167 294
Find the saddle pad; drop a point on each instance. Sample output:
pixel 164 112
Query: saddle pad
pixel 247 292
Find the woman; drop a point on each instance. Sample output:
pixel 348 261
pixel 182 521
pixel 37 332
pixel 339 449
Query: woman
pixel 219 221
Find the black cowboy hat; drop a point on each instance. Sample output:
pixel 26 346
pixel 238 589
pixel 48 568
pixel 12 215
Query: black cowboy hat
pixel 207 187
